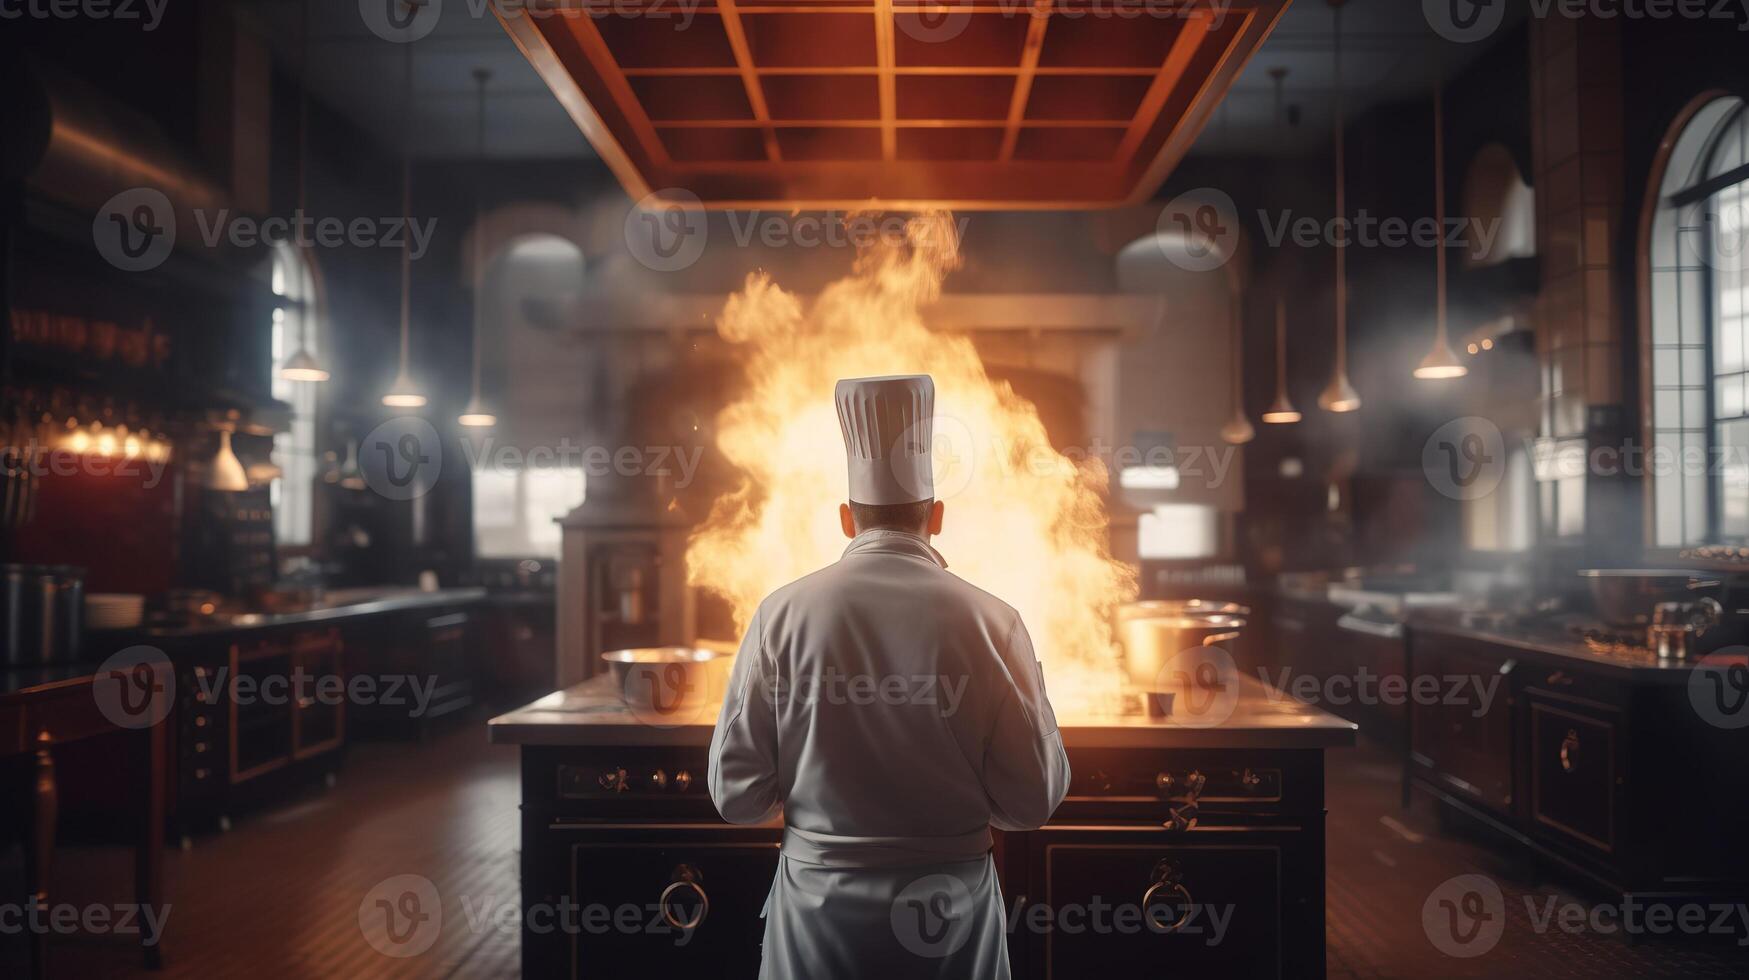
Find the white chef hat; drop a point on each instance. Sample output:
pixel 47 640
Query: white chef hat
pixel 888 424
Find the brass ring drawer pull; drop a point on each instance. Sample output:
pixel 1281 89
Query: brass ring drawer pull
pixel 704 905
pixel 1570 751
pixel 1177 890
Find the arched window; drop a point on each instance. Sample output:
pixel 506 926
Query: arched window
pixel 523 485
pixel 297 319
pixel 1697 375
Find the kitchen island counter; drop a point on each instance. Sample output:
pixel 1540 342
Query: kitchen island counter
pixel 1159 811
pixel 592 713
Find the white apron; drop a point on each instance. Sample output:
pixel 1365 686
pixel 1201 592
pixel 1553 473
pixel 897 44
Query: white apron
pixel 893 713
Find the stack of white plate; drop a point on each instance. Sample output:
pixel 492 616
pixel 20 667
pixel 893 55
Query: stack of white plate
pixel 113 610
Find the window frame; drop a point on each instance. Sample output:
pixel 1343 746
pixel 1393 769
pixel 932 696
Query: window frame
pixel 1658 203
pixel 312 312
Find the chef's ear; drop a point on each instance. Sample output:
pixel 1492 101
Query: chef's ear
pixel 935 517
pixel 845 521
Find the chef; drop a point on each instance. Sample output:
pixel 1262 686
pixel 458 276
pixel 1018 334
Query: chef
pixel 893 713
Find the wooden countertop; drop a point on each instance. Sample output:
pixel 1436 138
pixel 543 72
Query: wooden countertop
pixel 592 713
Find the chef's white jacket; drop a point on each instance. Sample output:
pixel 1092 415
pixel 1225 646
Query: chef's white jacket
pixel 893 713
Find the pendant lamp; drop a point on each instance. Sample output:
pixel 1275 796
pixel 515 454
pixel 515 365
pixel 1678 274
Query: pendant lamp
pixel 403 393
pixel 301 365
pixel 1441 361
pixel 1281 411
pixel 476 416
pixel 1339 395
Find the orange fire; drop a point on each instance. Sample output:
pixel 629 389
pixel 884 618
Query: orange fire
pixel 1023 522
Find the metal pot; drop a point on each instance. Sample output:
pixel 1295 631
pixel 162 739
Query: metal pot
pixel 1151 642
pixel 1677 625
pixel 1626 596
pixel 1153 608
pixel 669 679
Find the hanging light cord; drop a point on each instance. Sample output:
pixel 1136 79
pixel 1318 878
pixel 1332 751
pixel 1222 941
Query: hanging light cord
pixel 480 75
pixel 1280 345
pixel 406 211
pixel 1341 214
pixel 1439 201
pixel 308 311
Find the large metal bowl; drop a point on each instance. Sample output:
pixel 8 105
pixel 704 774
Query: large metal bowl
pixel 665 680
pixel 1150 643
pixel 1625 597
pixel 1155 608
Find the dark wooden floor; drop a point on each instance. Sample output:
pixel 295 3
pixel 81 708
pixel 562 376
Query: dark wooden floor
pixel 281 894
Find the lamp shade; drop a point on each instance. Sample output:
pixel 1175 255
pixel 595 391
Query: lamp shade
pixel 475 416
pixel 1238 430
pixel 303 366
pixel 1440 362
pixel 1281 411
pixel 227 470
pixel 1339 395
pixel 403 394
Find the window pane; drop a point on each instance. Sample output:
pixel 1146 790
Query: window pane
pixel 294 324
pixel 1730 396
pixel 549 493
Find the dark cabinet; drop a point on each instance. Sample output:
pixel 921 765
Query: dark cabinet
pixel 419 666
pixel 693 898
pixel 1124 902
pixel 1591 763
pixel 1465 743
pixel 260 718
pixel 319 710
pixel 1575 774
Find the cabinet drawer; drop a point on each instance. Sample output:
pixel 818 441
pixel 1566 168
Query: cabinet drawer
pixel 1575 772
pixel 1219 903
pixel 715 878
pixel 1467 747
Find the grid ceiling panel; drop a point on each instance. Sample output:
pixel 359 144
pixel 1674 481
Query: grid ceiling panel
pixel 828 103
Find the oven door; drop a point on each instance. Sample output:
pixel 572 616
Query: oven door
pixel 1124 901
pixel 676 900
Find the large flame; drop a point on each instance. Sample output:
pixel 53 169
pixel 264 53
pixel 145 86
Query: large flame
pixel 1023 521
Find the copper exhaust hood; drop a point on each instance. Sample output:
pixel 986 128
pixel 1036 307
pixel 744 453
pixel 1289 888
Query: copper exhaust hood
pixel 986 104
